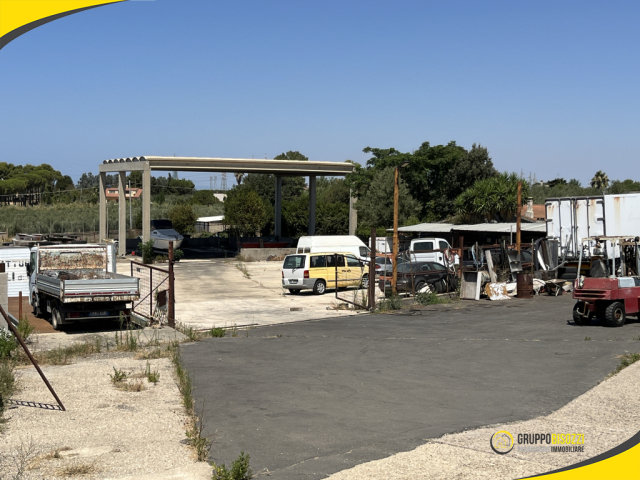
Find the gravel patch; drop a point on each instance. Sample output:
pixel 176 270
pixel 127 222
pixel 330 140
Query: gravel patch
pixel 607 415
pixel 106 432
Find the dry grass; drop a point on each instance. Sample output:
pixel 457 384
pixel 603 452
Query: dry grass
pixel 131 387
pixel 77 469
pixel 55 454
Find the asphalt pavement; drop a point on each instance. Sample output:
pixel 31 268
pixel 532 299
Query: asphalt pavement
pixel 309 399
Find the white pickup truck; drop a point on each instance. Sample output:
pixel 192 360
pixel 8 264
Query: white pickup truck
pixel 72 283
pixel 419 245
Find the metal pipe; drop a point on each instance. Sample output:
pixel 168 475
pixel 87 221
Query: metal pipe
pixel 372 272
pixel 171 307
pixel 394 266
pixel 33 360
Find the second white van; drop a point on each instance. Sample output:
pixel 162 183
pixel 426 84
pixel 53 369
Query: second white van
pixel 334 243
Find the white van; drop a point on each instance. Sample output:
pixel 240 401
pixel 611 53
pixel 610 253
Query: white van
pixel 418 244
pixel 334 243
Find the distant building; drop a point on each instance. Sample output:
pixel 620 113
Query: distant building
pixel 112 193
pixel 220 196
pixel 531 212
pixel 210 224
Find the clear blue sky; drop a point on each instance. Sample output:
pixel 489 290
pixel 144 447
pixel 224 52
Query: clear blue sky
pixel 549 87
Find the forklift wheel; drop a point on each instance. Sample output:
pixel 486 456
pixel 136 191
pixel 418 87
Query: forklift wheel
pixel 615 315
pixel 578 318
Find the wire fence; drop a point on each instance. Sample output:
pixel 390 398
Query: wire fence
pixel 154 292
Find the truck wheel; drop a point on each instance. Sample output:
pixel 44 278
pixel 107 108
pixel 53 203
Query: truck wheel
pixel 56 319
pixel 615 315
pixel 319 287
pixel 578 318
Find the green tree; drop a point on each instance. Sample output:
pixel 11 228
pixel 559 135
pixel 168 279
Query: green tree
pixel 244 210
pixel 494 198
pixel 204 197
pixel 600 181
pixel 626 186
pixel 183 218
pixel 265 185
pixel 435 176
pixel 375 207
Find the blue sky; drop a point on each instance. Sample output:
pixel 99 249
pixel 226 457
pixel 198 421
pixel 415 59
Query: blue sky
pixel 549 87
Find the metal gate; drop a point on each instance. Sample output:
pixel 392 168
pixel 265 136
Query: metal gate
pixel 154 292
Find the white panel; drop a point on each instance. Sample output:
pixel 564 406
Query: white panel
pixel 566 226
pixel 16 260
pixel 622 215
pixel 553 221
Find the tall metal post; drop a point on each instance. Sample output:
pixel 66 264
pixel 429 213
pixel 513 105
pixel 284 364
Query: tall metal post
pixel 171 307
pixel 353 215
pixel 372 272
pixel 518 216
pixel 130 215
pixel 394 261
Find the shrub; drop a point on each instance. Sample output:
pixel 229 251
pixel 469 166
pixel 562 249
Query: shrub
pixel 146 248
pixel 240 469
pixel 7 383
pixel 7 343
pixel 183 218
pixel 430 298
pixel 217 332
pixel 177 255
pixel 25 329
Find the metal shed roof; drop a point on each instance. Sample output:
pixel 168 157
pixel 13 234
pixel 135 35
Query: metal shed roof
pixel 538 227
pixel 217 218
pixel 237 165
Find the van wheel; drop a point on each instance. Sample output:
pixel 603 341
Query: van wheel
pixel 615 315
pixel 319 288
pixel 56 319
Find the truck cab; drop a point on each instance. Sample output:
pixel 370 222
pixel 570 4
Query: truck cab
pixel 419 250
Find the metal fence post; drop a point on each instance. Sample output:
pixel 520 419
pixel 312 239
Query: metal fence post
pixel 171 306
pixel 151 293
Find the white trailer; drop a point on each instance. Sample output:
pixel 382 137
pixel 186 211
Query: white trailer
pixel 571 219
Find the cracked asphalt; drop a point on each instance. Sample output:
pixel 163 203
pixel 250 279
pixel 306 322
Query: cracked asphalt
pixel 309 399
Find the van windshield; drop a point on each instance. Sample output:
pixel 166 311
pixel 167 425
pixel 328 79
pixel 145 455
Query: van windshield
pixel 294 261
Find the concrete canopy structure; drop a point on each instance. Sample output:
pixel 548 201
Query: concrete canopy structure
pixel 279 168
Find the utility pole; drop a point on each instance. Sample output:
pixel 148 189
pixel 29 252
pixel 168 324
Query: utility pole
pixel 518 219
pixel 130 216
pixel 394 262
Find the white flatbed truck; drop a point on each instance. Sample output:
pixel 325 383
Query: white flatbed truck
pixel 72 283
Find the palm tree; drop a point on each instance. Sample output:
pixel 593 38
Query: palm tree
pixel 238 177
pixel 600 180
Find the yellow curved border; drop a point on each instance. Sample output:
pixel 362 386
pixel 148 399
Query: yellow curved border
pixel 19 16
pixel 619 463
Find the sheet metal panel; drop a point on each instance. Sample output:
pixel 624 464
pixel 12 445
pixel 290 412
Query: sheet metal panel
pixel 16 260
pixel 622 214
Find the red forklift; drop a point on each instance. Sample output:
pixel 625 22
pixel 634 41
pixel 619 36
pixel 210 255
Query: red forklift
pixel 608 283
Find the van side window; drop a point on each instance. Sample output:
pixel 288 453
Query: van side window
pixel 307 249
pixel 423 246
pixel 340 260
pixel 352 261
pixel 443 245
pixel 294 261
pixel 318 262
pixel 331 261
pixel 364 252
pixel 32 263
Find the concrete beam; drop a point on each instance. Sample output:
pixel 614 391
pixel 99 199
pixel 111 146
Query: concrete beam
pixel 146 204
pixel 311 229
pixel 102 232
pixel 122 214
pixel 278 207
pixel 353 216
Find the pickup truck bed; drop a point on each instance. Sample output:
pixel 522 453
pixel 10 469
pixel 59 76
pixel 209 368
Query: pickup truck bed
pixel 88 286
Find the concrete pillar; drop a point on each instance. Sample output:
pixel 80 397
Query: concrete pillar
pixel 278 207
pixel 103 208
pixel 312 205
pixel 146 203
pixel 353 216
pixel 122 214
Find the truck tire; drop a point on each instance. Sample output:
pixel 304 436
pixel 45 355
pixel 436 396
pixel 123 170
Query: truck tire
pixel 578 318
pixel 56 318
pixel 615 315
pixel 319 288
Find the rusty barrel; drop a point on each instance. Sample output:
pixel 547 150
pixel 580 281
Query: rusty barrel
pixel 525 285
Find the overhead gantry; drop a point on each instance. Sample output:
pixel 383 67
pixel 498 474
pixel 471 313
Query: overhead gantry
pixel 279 168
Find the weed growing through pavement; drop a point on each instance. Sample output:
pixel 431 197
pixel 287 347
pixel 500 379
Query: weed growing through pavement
pixel 152 376
pixel 587 339
pixel 636 338
pixel 240 469
pixel 8 384
pixel 243 268
pixel 390 304
pixel 625 361
pixel 190 332
pixel 234 330
pixel 118 376
pixel 25 329
pixel 77 469
pixel 430 298
pixel 217 332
